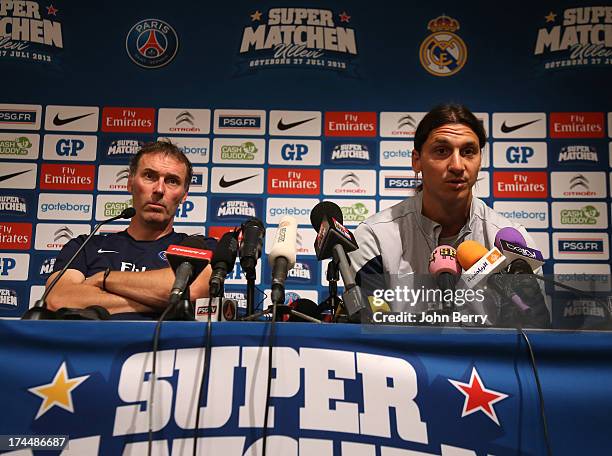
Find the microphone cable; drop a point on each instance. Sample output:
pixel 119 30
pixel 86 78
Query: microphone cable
pixel 534 367
pixel 156 336
pixel 577 292
pixel 269 378
pixel 204 379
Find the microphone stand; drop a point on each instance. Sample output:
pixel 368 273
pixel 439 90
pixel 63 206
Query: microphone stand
pixel 278 307
pixel 184 309
pixel 333 301
pixel 250 276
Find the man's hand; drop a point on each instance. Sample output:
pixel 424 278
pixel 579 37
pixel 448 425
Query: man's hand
pixel 151 288
pixel 73 290
pixel 95 280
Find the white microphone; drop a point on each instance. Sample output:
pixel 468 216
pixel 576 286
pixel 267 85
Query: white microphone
pixel 282 256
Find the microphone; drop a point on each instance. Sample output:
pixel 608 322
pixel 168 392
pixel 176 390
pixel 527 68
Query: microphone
pixel 509 234
pixel 306 307
pixel 334 240
pixel 39 310
pixel 326 218
pixel 253 233
pixel 466 253
pixel 520 258
pixel 477 262
pixel 443 265
pixel 282 256
pixel 223 261
pixel 187 260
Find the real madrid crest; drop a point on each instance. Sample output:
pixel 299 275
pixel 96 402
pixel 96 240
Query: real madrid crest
pixel 443 53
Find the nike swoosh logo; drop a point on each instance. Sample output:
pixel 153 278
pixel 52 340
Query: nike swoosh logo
pixel 224 183
pixel 283 126
pixel 506 129
pixel 107 251
pixel 59 122
pixel 8 176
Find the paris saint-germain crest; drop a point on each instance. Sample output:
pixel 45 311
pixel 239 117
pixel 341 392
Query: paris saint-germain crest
pixel 151 43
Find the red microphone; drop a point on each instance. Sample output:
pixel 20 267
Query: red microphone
pixel 187 260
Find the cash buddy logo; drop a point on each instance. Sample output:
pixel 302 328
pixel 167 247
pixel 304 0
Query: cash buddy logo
pixel 443 53
pixel 578 37
pixel 585 216
pixel 358 212
pixel 244 151
pixel 19 146
pixel 298 37
pixel 151 43
pixel 31 32
pixel 114 208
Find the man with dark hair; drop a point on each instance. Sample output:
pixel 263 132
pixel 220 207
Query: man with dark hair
pixel 395 245
pixel 126 272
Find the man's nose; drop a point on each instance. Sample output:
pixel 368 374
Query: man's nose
pixel 159 187
pixel 455 163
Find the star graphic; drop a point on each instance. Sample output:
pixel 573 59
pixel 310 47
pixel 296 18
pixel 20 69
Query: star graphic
pixel 551 17
pixel 344 17
pixel 58 392
pixel 477 397
pixel 51 10
pixel 256 16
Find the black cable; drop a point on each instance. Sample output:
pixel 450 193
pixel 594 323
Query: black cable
pixel 540 395
pixel 153 372
pixel 269 379
pixel 578 292
pixel 205 370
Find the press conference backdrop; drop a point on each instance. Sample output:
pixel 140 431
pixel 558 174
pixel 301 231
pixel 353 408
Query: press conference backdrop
pixel 281 105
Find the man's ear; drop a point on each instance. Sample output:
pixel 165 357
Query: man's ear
pixel 416 161
pixel 129 183
pixel 184 197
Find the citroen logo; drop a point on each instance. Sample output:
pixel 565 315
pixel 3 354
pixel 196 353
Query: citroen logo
pixel 63 233
pixel 350 178
pixel 406 121
pixel 579 181
pixel 184 117
pixel 122 175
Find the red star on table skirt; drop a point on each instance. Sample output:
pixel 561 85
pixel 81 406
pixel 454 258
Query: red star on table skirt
pixel 344 17
pixel 477 397
pixel 51 10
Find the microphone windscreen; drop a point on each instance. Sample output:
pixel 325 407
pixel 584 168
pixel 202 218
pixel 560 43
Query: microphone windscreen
pixel 444 259
pixel 128 212
pixel 285 241
pixel 252 223
pixel 325 208
pixel 196 241
pixel 226 250
pixel 469 252
pixel 509 234
pixel 307 307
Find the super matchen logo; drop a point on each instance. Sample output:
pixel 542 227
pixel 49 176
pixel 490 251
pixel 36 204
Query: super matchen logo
pixel 29 31
pixel 578 37
pixel 298 37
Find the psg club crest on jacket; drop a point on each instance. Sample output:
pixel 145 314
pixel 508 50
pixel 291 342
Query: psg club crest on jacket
pixel 151 43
